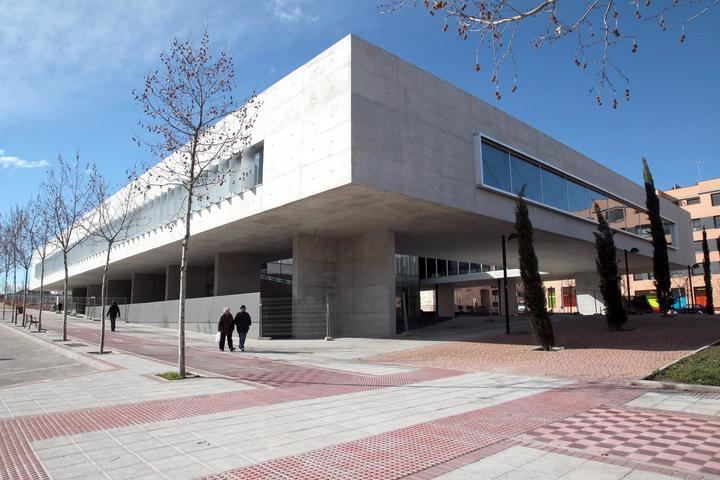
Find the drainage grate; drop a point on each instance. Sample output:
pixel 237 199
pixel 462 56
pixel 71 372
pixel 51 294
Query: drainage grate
pixel 75 345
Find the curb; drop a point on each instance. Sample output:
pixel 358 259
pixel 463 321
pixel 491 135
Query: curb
pixel 687 387
pixel 82 358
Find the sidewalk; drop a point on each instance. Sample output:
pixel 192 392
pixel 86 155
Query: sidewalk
pixel 302 411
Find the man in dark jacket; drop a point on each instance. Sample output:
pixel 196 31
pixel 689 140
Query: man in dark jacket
pixel 114 313
pixel 242 322
pixel 225 327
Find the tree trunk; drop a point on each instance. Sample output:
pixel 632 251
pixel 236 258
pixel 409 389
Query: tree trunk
pixel 27 270
pixel 65 297
pixel 42 285
pixel 103 300
pixel 5 285
pixel 183 289
pixel 14 302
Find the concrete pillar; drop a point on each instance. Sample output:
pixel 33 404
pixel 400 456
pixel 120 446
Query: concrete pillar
pixel 172 282
pixel 120 291
pixel 512 297
pixel 359 276
pixel 587 290
pixel 445 301
pixel 236 273
pixel 94 291
pixel 200 282
pixel 147 287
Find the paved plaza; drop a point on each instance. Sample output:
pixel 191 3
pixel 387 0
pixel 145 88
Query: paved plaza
pixel 415 407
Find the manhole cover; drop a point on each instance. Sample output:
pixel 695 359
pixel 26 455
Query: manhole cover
pixel 75 345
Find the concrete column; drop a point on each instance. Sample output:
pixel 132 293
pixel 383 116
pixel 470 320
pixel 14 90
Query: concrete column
pixel 200 282
pixel 94 291
pixel 147 287
pixel 172 282
pixel 445 300
pixel 236 273
pixel 512 297
pixel 119 290
pixel 587 290
pixel 359 276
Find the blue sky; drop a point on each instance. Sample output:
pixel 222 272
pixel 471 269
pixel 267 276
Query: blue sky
pixel 68 68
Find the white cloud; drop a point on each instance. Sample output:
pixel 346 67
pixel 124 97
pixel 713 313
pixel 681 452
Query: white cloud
pixel 290 12
pixel 9 161
pixel 54 53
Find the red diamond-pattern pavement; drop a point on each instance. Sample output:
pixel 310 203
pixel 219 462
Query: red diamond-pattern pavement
pixel 675 441
pixel 405 451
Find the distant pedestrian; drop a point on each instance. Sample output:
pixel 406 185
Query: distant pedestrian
pixel 242 322
pixel 114 313
pixel 225 327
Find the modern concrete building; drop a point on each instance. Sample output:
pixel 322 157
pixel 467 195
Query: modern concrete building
pixel 363 167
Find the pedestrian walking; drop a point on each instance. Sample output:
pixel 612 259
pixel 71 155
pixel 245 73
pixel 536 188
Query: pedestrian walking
pixel 242 323
pixel 225 328
pixel 114 313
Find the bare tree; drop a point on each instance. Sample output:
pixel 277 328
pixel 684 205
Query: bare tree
pixel 5 259
pixel 598 27
pixel 111 223
pixel 28 223
pixel 67 201
pixel 190 109
pixel 15 231
pixel 39 238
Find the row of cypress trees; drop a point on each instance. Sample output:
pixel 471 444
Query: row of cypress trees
pixel 606 264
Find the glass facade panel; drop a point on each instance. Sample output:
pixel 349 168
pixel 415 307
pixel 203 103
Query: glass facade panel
pixel 553 189
pixel 475 268
pixel 528 175
pixel 544 185
pixel 601 200
pixel 643 225
pixel 441 267
pixel 495 167
pixel 452 267
pixel 578 199
pixel 715 198
pixel 464 268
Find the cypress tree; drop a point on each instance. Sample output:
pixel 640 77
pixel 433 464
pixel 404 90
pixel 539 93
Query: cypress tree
pixel 530 274
pixel 661 266
pixel 606 264
pixel 709 306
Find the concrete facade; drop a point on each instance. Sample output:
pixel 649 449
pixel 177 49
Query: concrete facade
pixel 358 156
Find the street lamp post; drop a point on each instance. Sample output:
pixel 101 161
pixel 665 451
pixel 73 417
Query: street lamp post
pixel 692 291
pixel 505 282
pixel 627 272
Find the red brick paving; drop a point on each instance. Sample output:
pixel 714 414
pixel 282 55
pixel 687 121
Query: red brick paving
pixel 675 441
pixel 17 460
pixel 408 451
pixel 413 449
pixel 592 352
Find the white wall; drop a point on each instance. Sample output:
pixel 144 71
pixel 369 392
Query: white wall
pixel 201 314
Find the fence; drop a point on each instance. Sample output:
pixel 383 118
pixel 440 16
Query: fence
pixel 285 317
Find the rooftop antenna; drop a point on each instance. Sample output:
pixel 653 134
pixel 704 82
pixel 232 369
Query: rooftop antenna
pixel 699 165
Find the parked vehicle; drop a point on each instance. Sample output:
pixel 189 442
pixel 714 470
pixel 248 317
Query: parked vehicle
pixel 692 308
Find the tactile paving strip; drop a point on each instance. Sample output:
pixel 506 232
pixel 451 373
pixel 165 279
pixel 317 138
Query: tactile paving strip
pixel 405 451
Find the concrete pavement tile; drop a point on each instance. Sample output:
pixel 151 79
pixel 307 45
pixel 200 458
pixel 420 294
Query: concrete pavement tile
pixel 643 475
pixel 60 451
pixel 553 464
pixel 159 453
pixel 65 460
pixel 118 461
pixel 488 468
pixel 74 471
